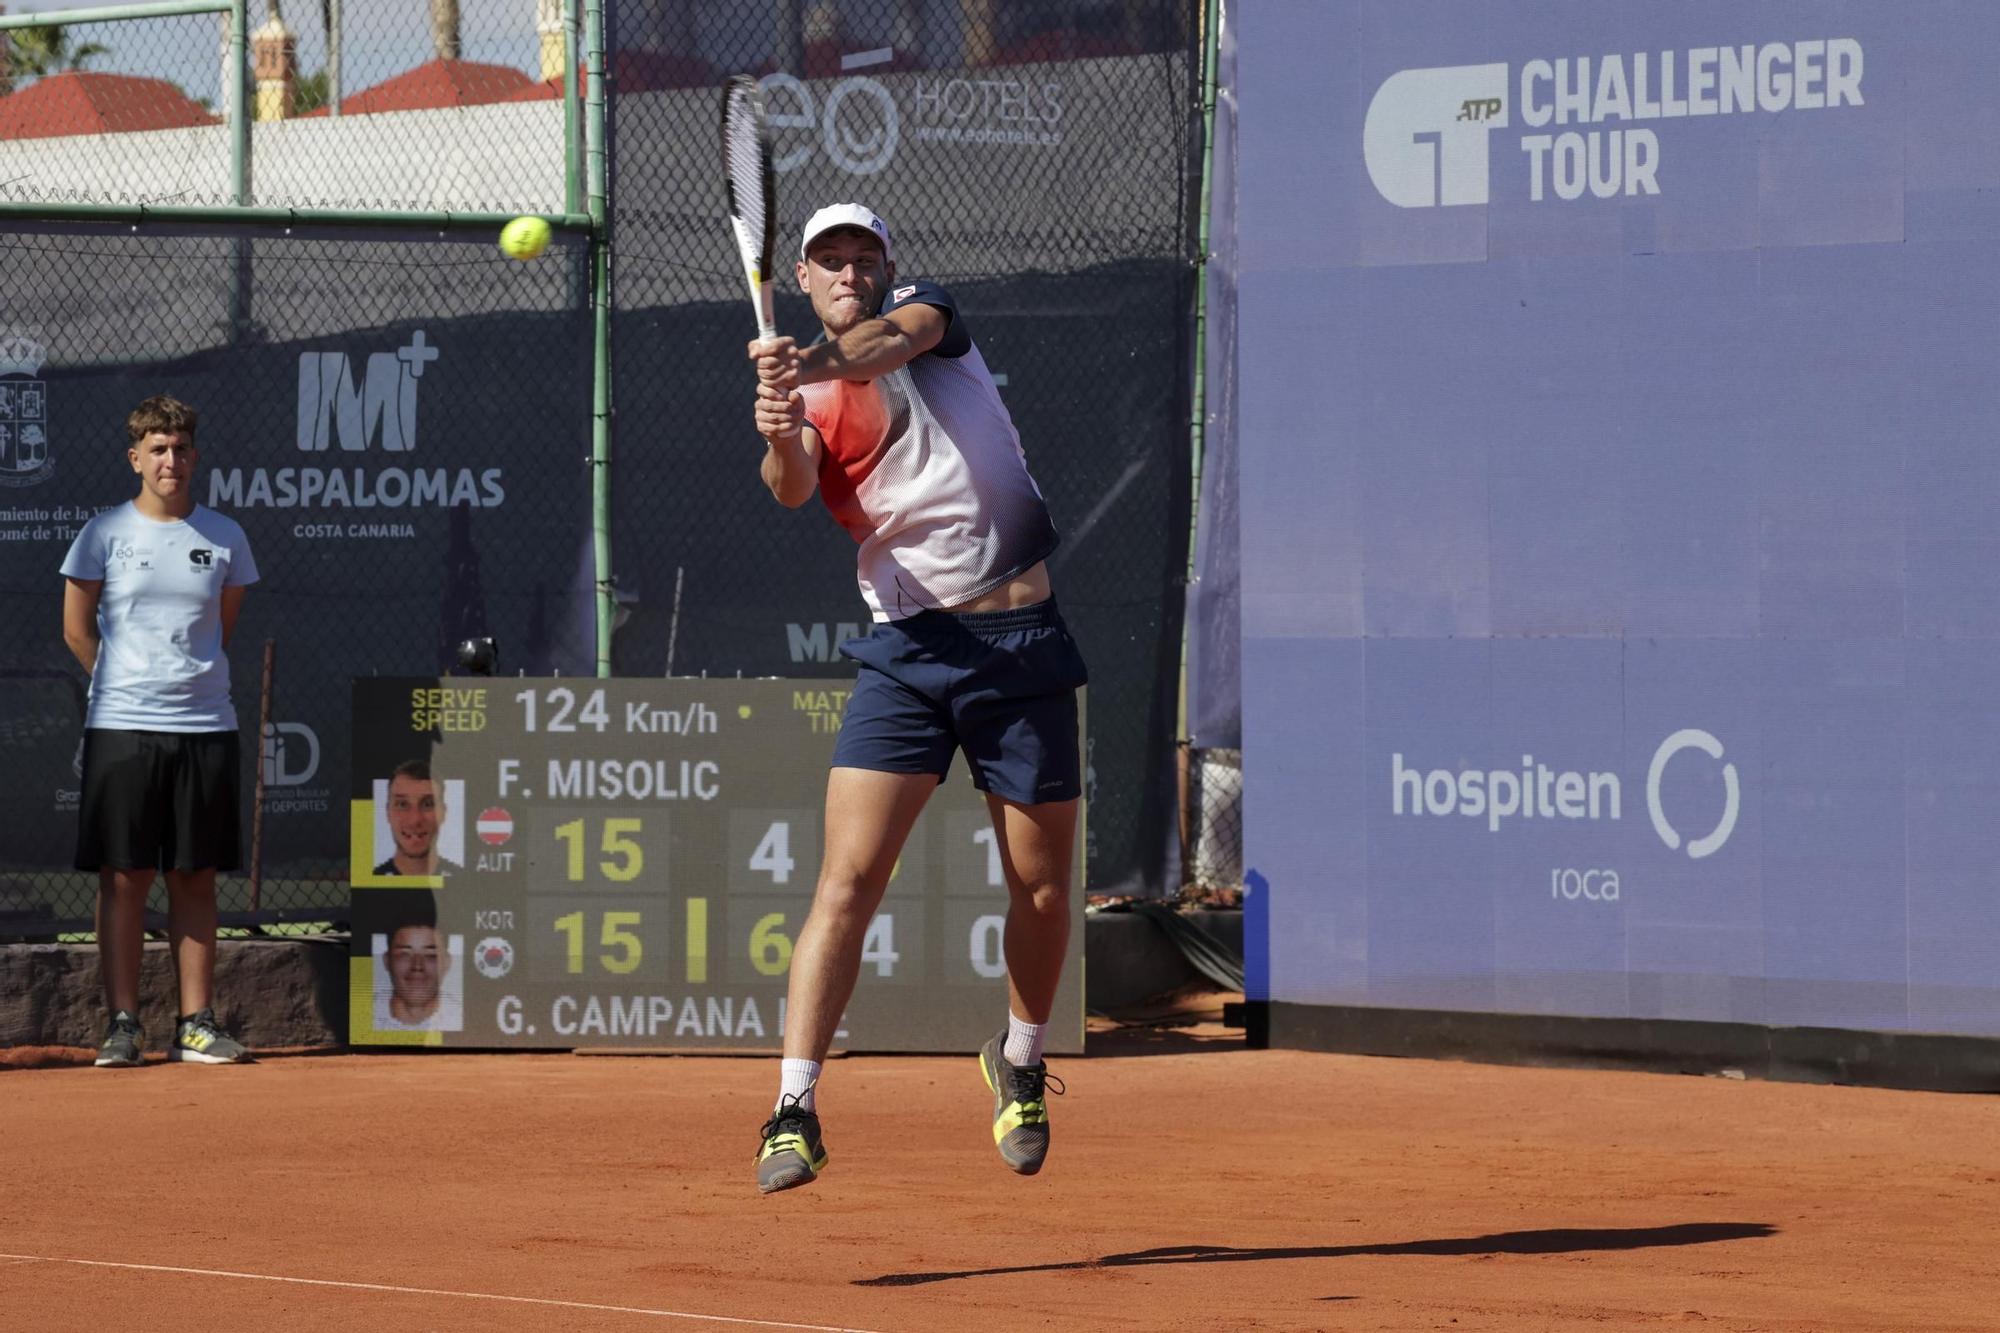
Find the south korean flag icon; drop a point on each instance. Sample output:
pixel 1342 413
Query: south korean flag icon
pixel 494 958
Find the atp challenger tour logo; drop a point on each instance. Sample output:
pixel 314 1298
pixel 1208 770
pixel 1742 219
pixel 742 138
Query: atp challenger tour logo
pixel 1429 132
pixel 359 425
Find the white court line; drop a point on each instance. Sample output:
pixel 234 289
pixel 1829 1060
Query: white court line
pixel 433 1291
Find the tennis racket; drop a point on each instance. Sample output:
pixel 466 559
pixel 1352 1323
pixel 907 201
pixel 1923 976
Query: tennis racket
pixel 747 174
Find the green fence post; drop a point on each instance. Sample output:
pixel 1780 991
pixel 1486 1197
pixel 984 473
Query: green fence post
pixel 600 363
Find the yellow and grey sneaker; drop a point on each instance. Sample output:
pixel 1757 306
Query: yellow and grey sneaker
pixel 124 1042
pixel 792 1154
pixel 1020 1117
pixel 200 1039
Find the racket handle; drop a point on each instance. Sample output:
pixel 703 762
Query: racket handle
pixel 767 324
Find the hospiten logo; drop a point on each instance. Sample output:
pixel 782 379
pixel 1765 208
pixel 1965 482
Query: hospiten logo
pixel 1692 738
pixel 1537 790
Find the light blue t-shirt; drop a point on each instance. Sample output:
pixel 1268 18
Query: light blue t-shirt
pixel 160 664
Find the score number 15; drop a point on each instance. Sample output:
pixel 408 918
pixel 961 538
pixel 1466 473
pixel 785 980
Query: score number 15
pixel 624 859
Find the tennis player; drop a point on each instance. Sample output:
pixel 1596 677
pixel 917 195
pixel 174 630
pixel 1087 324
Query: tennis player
pixel 892 416
pixel 152 594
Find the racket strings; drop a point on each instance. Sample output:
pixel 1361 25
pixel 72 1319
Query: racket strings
pixel 746 162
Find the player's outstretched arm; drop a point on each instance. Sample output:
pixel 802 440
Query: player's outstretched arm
pixel 874 347
pixel 791 448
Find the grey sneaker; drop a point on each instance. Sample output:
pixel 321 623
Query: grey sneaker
pixel 791 1154
pixel 200 1039
pixel 124 1041
pixel 1020 1115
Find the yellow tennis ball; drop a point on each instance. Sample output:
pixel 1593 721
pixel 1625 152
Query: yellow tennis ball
pixel 525 238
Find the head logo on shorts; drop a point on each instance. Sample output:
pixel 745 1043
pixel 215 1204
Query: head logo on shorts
pixel 1425 135
pixel 1691 738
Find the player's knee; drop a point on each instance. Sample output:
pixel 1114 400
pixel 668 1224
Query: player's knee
pixel 846 894
pixel 125 885
pixel 1048 897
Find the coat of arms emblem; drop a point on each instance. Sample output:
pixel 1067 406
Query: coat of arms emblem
pixel 24 412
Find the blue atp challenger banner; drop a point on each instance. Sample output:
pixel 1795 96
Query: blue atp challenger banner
pixel 1621 561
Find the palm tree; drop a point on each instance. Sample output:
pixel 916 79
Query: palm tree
pixel 444 28
pixel 35 52
pixel 312 92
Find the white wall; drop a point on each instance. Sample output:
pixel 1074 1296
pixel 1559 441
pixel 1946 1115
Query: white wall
pixel 500 158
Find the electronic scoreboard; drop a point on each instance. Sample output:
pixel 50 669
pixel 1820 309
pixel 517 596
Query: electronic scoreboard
pixel 562 863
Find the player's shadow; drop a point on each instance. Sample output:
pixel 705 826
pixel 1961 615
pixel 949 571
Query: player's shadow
pixel 1555 1240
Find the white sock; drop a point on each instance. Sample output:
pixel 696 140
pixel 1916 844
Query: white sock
pixel 796 1080
pixel 1024 1041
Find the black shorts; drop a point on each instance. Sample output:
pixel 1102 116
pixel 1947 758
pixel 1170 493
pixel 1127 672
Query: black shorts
pixel 158 800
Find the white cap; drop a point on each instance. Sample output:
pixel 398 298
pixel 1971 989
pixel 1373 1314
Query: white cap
pixel 845 215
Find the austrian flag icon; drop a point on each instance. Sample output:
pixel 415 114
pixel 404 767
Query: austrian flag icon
pixel 495 826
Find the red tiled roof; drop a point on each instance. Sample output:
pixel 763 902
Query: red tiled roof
pixel 551 91
pixel 440 83
pixel 85 102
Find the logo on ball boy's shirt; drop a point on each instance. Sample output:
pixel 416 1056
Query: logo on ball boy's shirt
pixel 202 557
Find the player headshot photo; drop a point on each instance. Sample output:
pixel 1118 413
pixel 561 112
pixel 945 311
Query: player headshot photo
pixel 419 822
pixel 419 973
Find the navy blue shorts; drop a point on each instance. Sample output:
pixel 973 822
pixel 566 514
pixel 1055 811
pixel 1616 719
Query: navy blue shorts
pixel 999 685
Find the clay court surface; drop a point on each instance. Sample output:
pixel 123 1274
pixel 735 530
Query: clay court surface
pixel 1193 1185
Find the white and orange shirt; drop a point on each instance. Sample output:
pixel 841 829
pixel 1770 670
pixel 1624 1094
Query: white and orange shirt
pixel 924 469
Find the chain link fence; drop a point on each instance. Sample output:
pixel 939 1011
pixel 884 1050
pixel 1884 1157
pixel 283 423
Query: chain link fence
pixel 1035 160
pixel 401 427
pixel 401 420
pixel 374 104
pixel 1211 821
